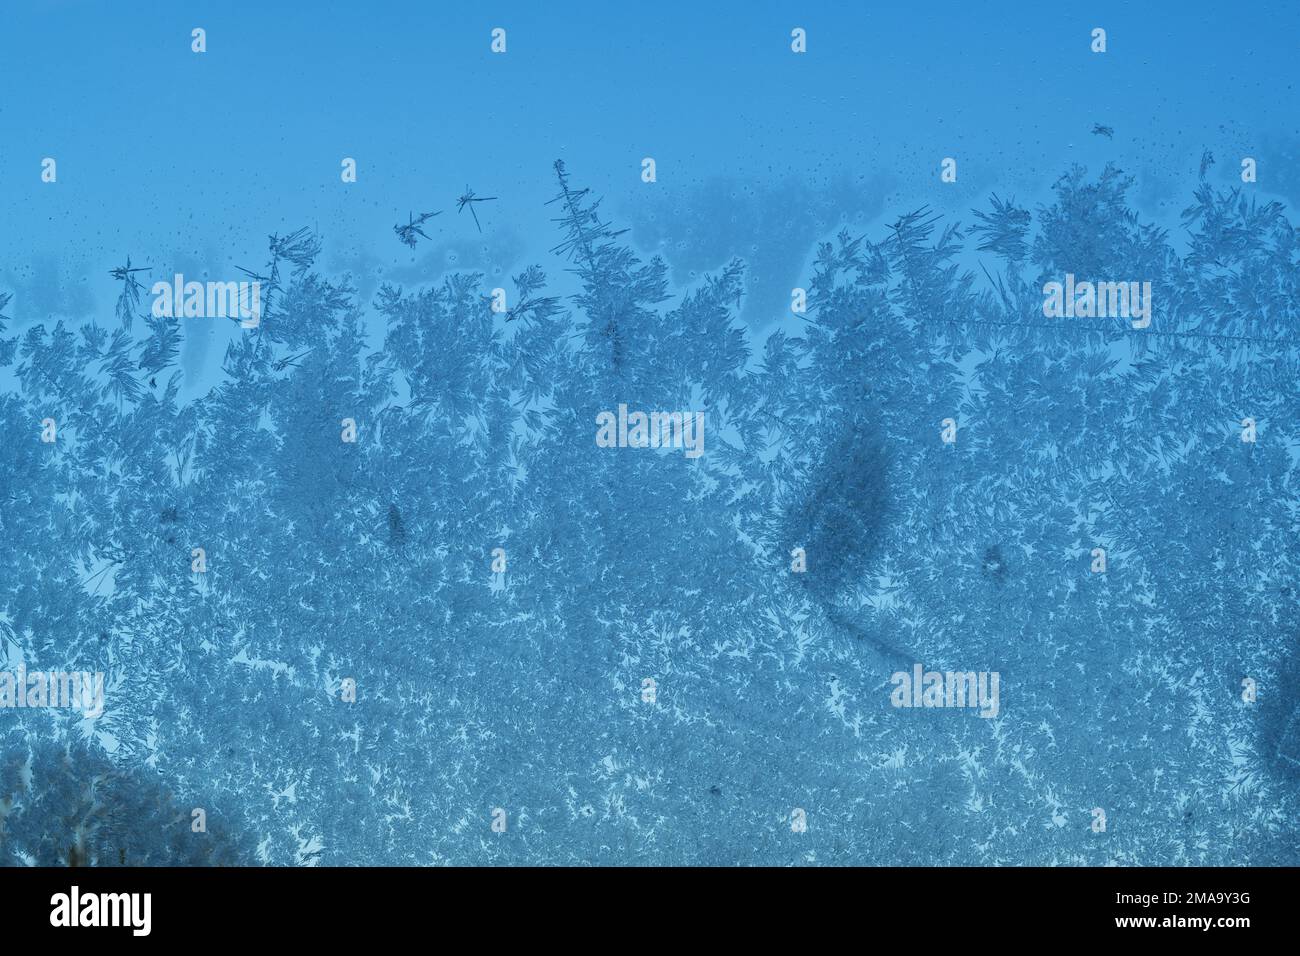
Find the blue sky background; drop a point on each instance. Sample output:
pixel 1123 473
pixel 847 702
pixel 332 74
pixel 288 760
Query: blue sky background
pixel 187 162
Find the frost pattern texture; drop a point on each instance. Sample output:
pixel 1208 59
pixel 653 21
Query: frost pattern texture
pixel 371 561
